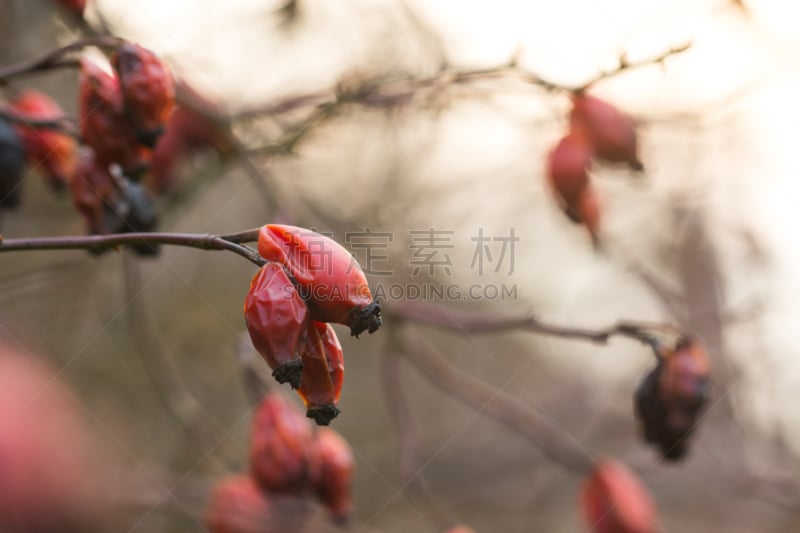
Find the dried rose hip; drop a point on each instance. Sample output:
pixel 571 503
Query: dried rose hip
pixel 672 396
pixel 328 277
pixel 323 373
pixel 103 123
pixel 148 90
pixel 277 320
pixel 568 167
pixel 55 152
pixel 238 505
pixel 92 187
pixel 279 446
pixel 12 166
pixel 612 132
pixel 613 501
pixel 333 480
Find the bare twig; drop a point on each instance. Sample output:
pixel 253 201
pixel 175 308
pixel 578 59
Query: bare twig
pixel 457 320
pixel 492 402
pixel 62 125
pixel 56 58
pixel 102 242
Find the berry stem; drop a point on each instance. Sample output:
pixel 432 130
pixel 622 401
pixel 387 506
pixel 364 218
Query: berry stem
pixel 56 58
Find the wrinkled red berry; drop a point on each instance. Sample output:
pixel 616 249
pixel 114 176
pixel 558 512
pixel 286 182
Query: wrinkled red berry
pixel 55 152
pixel 279 446
pixel 329 278
pixel 103 123
pixel 612 500
pixel 148 90
pixel 333 480
pixel 323 373
pixel 612 132
pixel 277 320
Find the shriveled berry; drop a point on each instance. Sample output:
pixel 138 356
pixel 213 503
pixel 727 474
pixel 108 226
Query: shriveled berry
pixel 612 500
pixel 92 188
pixel 333 480
pixel 612 132
pixel 277 320
pixel 672 396
pixel 103 123
pixel 323 373
pixel 148 90
pixel 12 166
pixel 54 152
pixel 280 444
pixel 328 277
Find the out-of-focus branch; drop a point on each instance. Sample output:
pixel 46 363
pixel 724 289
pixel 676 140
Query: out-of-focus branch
pixel 63 125
pixel 163 370
pixel 103 242
pixel 490 401
pixel 457 320
pixel 57 58
pixel 411 475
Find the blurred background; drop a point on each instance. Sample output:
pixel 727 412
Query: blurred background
pixel 704 239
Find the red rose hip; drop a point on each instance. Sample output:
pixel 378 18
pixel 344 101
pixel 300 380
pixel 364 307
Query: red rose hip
pixel 277 320
pixel 323 373
pixel 328 277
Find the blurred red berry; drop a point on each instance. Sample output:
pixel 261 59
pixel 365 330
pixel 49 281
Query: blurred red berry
pixel 568 166
pixel 671 397
pixel 279 446
pixel 329 278
pixel 323 373
pixel 333 479
pixel 612 132
pixel 148 90
pixel 460 529
pixel 277 320
pixel 103 123
pixel 92 187
pixel 76 6
pixel 46 458
pixel 188 131
pixel 56 152
pixel 612 500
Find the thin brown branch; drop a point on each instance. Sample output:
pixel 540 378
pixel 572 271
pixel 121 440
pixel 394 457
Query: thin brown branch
pixel 460 321
pixel 57 58
pixel 492 402
pixel 103 242
pixel 625 65
pixel 62 125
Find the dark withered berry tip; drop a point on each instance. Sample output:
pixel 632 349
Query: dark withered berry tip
pixel 149 137
pixel 637 166
pixel 340 520
pixel 323 414
pixel 674 453
pixel 366 319
pixel 290 373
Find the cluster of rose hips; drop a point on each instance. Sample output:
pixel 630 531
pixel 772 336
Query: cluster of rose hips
pixel 290 461
pixel 122 114
pixel 310 282
pixel 598 131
